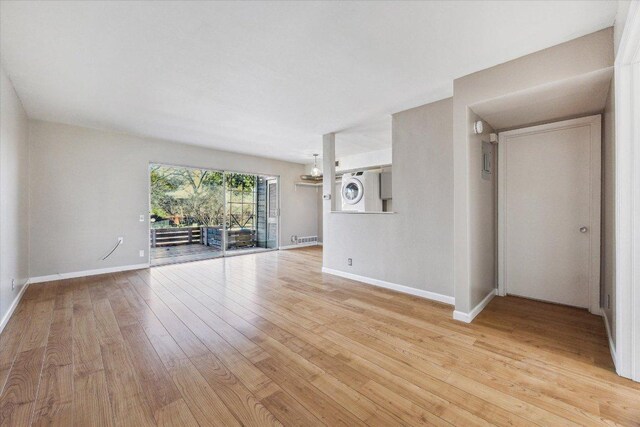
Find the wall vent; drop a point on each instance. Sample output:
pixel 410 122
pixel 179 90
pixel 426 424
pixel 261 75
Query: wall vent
pixel 307 240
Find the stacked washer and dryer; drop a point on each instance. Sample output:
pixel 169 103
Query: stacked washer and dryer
pixel 360 192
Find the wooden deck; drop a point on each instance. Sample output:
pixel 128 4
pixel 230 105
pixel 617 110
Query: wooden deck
pixel 182 253
pixel 267 339
pixel 194 252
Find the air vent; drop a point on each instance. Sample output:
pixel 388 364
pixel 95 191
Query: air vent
pixel 307 240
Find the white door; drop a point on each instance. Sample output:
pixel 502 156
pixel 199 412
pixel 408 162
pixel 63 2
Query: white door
pixel 549 212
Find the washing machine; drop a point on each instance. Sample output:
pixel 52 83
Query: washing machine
pixel 360 192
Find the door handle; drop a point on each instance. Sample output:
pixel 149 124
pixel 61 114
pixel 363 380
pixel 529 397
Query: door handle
pixel 583 229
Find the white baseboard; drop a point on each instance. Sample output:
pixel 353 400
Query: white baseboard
pixel 14 305
pixel 301 245
pixel 393 286
pixel 612 346
pixel 61 276
pixel 468 317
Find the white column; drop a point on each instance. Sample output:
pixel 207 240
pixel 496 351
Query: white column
pixel 328 188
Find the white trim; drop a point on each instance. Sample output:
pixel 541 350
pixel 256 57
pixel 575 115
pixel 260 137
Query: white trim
pixel 612 346
pixel 73 275
pixel 502 191
pixel 468 317
pixel 300 245
pixel 393 286
pixel 627 274
pixel 595 184
pixel 13 306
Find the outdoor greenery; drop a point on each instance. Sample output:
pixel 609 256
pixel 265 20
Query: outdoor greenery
pixel 194 197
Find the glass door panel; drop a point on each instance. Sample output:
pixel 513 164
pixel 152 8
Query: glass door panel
pixel 186 214
pixel 251 202
pixel 273 212
pixel 241 211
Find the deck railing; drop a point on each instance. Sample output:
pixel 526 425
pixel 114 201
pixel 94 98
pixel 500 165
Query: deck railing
pixel 175 236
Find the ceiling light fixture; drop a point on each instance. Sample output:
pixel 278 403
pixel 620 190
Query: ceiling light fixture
pixel 315 171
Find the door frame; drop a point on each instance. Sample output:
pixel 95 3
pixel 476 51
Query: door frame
pixel 626 347
pixel 594 122
pixel 224 252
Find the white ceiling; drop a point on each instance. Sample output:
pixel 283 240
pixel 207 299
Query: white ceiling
pixel 369 136
pixel 267 78
pixel 577 96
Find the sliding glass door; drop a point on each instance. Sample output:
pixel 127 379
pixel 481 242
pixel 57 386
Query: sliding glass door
pixel 250 211
pixel 201 213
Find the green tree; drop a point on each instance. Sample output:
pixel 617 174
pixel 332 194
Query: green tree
pixel 195 196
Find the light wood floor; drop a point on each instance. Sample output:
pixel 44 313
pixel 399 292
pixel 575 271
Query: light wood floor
pixel 267 339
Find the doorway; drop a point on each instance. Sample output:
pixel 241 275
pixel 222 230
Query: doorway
pixel 198 214
pixel 549 212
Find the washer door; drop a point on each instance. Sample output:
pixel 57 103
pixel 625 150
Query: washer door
pixel 352 191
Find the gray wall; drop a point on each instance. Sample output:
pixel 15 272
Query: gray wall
pixel 14 194
pixel 412 247
pixel 608 230
pixel 88 187
pixel 576 57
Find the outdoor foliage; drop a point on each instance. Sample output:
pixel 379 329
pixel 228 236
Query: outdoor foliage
pixel 189 197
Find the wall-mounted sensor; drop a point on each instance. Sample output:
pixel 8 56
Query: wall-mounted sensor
pixel 478 127
pixel 493 138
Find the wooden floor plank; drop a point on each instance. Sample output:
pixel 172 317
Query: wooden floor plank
pixel 157 386
pixel 245 406
pixel 125 392
pixel 55 391
pixel 205 405
pixel 11 338
pixel 176 414
pixel 18 398
pixel 55 396
pixel 268 339
pixel 91 403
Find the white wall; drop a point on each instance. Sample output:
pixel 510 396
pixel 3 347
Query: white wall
pixel 363 160
pixel 88 187
pixel 14 195
pixel 576 57
pixel 412 247
pixel 621 18
pixel 608 218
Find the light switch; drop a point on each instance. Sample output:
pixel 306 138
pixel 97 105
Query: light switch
pixel 141 218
